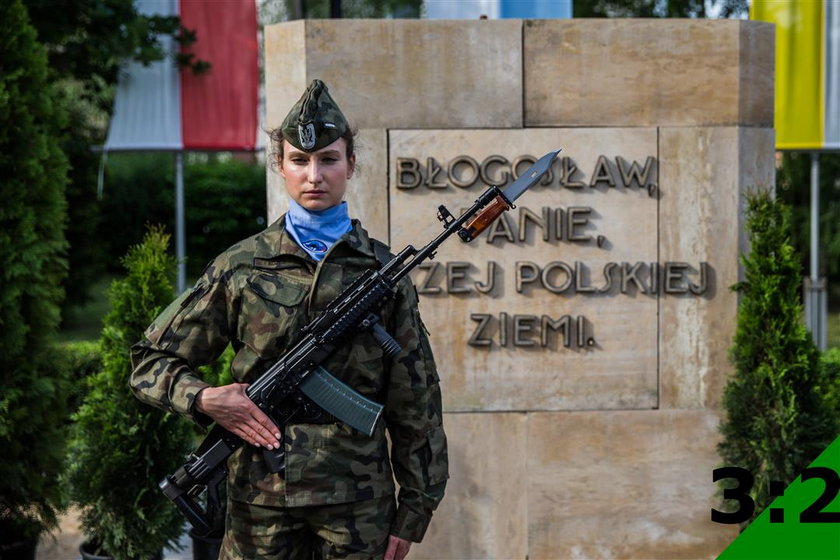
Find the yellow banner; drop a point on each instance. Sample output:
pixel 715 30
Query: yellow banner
pixel 800 86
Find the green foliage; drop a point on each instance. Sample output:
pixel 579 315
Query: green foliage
pixel 776 421
pixel 659 8
pixel 830 380
pixel 279 10
pixel 32 266
pixel 121 448
pixel 80 361
pixel 85 257
pixel 225 202
pixel 793 180
pixel 218 373
pixel 86 41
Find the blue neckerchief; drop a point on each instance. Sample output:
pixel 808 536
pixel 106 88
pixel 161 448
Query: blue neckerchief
pixel 316 231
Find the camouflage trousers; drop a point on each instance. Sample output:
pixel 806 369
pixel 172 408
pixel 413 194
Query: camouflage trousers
pixel 353 530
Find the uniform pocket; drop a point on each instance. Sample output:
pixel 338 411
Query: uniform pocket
pixel 269 313
pixel 426 349
pixel 277 289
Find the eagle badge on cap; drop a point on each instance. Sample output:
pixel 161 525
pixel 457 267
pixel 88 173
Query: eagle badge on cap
pixel 306 135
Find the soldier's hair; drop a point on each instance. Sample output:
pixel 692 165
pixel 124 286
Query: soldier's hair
pixel 276 137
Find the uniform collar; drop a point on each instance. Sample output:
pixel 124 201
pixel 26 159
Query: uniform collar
pixel 274 241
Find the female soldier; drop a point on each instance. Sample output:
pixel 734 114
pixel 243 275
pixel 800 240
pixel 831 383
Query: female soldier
pixel 335 496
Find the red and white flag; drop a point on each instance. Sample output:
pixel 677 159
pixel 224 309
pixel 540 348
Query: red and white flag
pixel 162 107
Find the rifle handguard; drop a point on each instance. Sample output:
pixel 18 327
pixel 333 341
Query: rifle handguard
pixel 486 217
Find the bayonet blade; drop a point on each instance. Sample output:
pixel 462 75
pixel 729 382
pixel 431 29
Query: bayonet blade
pixel 530 178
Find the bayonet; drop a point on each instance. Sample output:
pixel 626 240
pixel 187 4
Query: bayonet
pixel 503 200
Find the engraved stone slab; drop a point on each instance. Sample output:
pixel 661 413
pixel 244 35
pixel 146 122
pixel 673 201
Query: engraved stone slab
pixel 565 319
pixel 642 72
pixel 623 484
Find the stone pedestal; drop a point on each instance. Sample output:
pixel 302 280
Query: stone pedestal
pixel 582 341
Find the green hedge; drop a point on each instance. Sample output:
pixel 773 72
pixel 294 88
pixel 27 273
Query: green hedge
pixel 793 179
pixel 225 201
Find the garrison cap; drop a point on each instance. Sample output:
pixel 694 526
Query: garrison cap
pixel 315 120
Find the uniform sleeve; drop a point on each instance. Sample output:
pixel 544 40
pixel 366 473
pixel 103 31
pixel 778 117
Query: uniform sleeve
pixel 413 412
pixel 192 331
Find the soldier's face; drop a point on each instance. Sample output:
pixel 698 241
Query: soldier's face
pixel 317 180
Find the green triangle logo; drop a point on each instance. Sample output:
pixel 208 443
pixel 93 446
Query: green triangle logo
pixel 801 524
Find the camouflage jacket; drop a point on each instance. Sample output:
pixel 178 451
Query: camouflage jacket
pixel 256 296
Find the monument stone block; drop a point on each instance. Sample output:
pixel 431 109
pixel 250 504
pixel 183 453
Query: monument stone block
pixel 617 72
pixel 583 339
pixel 413 74
pixel 706 186
pixel 485 513
pixel 623 484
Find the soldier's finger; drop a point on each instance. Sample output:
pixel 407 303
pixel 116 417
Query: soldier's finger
pixel 263 434
pixel 260 437
pixel 265 422
pixel 247 434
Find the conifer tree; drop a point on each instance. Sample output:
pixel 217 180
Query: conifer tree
pixel 33 173
pixel 776 422
pixel 122 448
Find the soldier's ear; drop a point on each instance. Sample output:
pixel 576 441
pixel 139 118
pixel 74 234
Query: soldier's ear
pixel 280 166
pixel 351 165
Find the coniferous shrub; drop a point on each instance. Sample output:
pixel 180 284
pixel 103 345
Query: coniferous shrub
pixel 33 174
pixel 80 360
pixel 776 422
pixel 120 448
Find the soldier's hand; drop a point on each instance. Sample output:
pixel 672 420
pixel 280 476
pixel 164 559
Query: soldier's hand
pixel 397 548
pixel 231 408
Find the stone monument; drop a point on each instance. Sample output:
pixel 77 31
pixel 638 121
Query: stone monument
pixel 582 340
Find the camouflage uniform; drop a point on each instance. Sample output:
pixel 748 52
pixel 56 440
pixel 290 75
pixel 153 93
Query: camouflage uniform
pixel 257 295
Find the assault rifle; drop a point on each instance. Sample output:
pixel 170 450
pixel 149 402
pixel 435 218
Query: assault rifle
pixel 300 372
